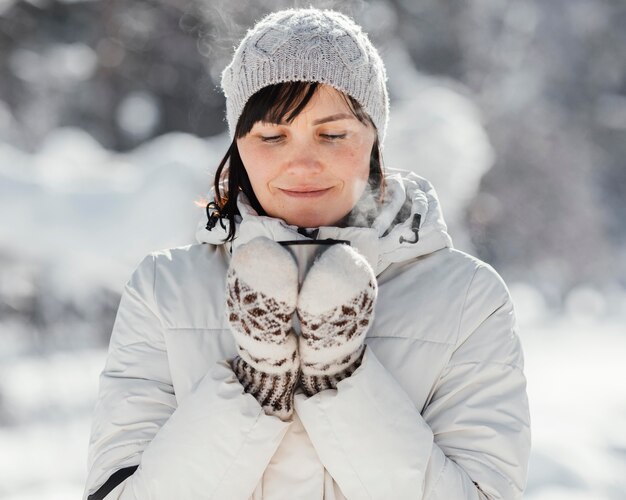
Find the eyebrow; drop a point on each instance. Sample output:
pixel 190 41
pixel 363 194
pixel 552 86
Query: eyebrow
pixel 331 118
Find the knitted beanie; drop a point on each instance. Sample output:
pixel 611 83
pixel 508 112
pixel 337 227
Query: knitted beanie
pixel 313 45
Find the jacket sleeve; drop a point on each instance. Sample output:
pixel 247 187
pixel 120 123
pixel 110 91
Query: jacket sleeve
pixel 215 443
pixel 472 441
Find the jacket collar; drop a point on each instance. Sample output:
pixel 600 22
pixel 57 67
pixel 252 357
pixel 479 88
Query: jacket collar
pixel 408 225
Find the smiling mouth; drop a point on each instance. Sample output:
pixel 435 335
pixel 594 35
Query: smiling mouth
pixel 305 192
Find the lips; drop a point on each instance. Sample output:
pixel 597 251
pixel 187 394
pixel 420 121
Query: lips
pixel 305 191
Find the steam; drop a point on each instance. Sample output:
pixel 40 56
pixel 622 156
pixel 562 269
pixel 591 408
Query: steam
pixel 221 24
pixel 365 209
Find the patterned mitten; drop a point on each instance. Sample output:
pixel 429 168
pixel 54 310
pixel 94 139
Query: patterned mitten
pixel 335 307
pixel 261 295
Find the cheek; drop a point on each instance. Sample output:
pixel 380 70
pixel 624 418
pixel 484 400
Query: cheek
pixel 356 164
pixel 353 166
pixel 255 161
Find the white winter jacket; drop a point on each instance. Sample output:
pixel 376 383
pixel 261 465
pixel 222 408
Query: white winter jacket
pixel 437 409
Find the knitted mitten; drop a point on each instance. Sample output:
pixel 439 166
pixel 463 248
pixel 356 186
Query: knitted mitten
pixel 261 294
pixel 335 307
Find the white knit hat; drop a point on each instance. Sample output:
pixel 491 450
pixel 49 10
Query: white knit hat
pixel 307 45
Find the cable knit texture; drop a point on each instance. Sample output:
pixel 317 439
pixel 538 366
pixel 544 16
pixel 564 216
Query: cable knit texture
pixel 311 45
pixel 261 294
pixel 335 308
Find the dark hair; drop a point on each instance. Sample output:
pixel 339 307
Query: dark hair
pixel 271 104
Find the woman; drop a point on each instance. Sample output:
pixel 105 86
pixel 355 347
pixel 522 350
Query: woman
pixel 324 339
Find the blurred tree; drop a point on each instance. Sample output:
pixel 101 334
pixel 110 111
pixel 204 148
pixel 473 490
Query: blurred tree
pixel 543 213
pixel 125 72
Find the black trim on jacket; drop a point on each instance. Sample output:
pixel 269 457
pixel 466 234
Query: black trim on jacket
pixel 112 482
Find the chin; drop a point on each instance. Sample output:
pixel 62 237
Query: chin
pixel 309 220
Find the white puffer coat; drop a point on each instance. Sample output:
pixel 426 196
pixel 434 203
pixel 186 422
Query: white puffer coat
pixel 437 409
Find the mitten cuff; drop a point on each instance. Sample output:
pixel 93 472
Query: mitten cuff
pixel 269 358
pixel 318 377
pixel 274 392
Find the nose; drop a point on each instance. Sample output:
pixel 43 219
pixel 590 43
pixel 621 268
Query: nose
pixel 303 160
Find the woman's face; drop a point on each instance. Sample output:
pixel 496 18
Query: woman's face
pixel 310 172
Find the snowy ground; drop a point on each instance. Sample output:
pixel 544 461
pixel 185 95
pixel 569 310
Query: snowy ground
pixel 575 373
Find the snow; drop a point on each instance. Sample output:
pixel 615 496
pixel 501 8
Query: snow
pixel 49 402
pixel 71 188
pixel 576 376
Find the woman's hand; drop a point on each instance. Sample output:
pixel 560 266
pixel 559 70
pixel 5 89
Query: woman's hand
pixel 261 295
pixel 335 307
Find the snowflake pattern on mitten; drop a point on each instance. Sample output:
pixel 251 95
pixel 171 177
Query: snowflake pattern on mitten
pixel 258 318
pixel 267 364
pixel 335 308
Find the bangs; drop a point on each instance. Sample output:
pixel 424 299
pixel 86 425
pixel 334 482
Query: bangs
pixel 284 102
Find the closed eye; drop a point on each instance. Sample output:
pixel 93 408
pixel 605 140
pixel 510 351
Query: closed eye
pixel 273 138
pixel 329 137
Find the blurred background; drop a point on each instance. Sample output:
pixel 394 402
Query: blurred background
pixel 112 122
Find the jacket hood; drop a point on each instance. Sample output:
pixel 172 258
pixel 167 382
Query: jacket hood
pixel 409 224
